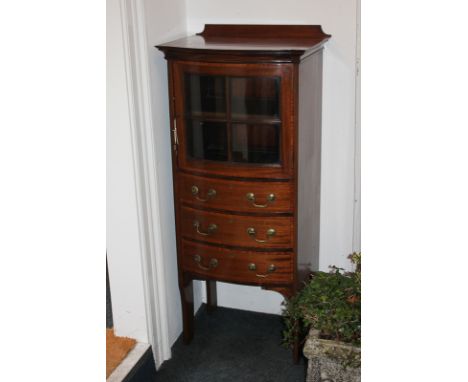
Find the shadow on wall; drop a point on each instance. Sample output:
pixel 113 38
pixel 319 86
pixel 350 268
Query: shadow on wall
pixel 109 321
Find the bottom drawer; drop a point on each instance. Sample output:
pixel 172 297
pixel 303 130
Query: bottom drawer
pixel 237 266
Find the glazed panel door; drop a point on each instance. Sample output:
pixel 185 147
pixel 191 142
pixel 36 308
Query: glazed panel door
pixel 232 119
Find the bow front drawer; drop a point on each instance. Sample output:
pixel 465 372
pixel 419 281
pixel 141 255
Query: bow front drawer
pixel 237 266
pixel 234 195
pixel 236 230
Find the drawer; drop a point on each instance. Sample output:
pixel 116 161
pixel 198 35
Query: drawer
pixel 232 195
pixel 237 230
pixel 237 266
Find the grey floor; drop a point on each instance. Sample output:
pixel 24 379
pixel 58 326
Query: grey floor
pixel 233 345
pixel 229 345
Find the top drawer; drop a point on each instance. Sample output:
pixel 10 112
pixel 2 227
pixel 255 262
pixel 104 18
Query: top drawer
pixel 232 195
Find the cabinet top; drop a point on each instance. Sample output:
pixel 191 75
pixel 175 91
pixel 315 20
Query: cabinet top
pixel 248 43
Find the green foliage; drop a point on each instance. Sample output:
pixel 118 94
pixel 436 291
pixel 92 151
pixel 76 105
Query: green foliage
pixel 329 302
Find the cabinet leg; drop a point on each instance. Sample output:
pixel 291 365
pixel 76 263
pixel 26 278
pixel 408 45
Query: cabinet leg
pixel 211 296
pixel 186 293
pixel 296 351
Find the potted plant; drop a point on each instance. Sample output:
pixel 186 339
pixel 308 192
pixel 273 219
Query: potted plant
pixel 329 308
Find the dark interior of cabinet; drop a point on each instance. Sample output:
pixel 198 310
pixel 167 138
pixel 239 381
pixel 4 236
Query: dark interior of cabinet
pixel 235 119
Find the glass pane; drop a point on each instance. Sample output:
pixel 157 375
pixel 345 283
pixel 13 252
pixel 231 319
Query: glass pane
pixel 255 96
pixel 207 140
pixel 255 143
pixel 205 94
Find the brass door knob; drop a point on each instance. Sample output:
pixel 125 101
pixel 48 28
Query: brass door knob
pixel 269 233
pixel 209 195
pixel 251 197
pixel 253 267
pixel 212 228
pixel 211 265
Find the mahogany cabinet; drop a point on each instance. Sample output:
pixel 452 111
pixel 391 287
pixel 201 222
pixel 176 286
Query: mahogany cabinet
pixel 245 104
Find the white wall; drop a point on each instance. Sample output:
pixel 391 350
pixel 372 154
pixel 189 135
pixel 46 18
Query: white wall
pixel 123 245
pixel 338 18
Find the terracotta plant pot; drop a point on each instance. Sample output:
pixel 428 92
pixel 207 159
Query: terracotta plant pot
pixel 331 361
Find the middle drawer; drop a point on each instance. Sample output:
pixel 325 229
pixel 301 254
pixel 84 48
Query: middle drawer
pixel 236 230
pixel 232 195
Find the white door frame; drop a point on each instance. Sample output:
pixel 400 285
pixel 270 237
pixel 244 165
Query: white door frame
pixel 146 180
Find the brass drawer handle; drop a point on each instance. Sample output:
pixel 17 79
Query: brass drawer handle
pixel 251 197
pixel 270 232
pixel 253 267
pixel 211 228
pixel 211 265
pixel 210 194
